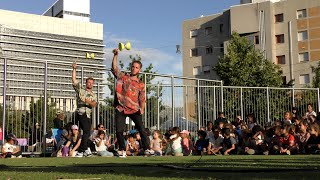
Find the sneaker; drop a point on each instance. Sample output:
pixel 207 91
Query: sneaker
pixel 79 154
pixel 250 151
pixel 87 153
pixel 122 154
pixel 288 152
pixel 20 156
pixel 266 153
pixel 148 152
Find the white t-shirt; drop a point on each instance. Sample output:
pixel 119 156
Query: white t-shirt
pixel 311 113
pixel 176 144
pixel 9 147
pixel 102 146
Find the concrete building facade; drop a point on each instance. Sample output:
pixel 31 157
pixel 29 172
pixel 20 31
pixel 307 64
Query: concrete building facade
pixel 286 31
pixel 28 40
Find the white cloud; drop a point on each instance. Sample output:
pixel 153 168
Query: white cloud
pixel 163 62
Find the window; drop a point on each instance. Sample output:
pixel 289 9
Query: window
pixel 197 70
pixel 280 38
pixel 194 52
pixel 221 28
pixel 304 79
pixel 193 33
pixel 281 59
pixel 256 39
pixel 302 35
pixel 208 30
pixel 284 80
pixel 206 69
pixel 278 18
pixel 209 50
pixel 302 13
pixel 221 48
pixel 303 56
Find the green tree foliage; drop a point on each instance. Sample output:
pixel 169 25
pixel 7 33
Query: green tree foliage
pixel 243 65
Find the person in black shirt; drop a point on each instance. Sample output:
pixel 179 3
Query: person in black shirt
pixel 58 121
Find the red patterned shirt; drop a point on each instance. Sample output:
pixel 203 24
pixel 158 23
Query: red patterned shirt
pixel 130 94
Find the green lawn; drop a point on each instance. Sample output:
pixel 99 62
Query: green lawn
pixel 208 167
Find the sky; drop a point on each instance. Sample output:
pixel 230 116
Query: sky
pixel 153 27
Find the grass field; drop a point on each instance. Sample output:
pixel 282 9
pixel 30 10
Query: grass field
pixel 208 167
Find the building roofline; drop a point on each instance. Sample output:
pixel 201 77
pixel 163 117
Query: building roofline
pixel 50 7
pixel 203 16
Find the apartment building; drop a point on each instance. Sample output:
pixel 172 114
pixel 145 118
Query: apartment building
pixel 286 31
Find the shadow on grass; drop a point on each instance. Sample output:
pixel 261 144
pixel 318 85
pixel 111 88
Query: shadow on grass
pixel 173 170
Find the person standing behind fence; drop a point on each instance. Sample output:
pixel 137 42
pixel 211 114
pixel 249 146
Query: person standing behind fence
pixel 58 121
pixel 129 101
pixel 86 100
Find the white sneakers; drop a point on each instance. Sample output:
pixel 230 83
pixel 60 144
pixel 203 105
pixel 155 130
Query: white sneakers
pixel 122 154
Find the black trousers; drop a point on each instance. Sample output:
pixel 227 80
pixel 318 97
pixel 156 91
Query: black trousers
pixel 85 125
pixel 120 124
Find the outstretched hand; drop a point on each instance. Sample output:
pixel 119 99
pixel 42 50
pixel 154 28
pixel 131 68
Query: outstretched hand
pixel 74 65
pixel 115 51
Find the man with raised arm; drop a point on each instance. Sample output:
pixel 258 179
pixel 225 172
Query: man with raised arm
pixel 129 102
pixel 86 100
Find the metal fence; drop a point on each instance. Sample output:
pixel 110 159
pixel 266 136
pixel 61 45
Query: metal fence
pixel 171 101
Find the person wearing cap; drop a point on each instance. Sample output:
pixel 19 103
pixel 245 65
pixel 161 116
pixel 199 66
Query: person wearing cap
pixel 186 143
pixel 72 147
pixel 9 149
pixel 86 100
pixel 58 121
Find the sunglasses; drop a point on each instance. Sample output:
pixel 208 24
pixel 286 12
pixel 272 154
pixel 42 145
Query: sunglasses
pixel 101 127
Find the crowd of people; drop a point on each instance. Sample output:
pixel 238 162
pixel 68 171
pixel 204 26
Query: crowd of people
pixel 292 134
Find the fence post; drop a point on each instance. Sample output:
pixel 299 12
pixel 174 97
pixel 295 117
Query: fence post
pixel 158 109
pixel 318 99
pixel 145 95
pixel 222 96
pixel 4 100
pixel 268 105
pixel 293 101
pixel 172 100
pixel 241 102
pixel 186 106
pixel 198 103
pixel 98 103
pixel 45 106
pixel 82 75
pixel 214 104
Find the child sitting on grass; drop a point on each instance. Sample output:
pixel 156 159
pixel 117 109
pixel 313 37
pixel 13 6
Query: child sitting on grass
pixel 229 143
pixel 156 143
pixel 215 144
pixel 287 141
pixel 101 145
pixel 132 148
pixel 313 143
pixel 9 149
pixel 174 143
pixel 201 144
pixel 186 143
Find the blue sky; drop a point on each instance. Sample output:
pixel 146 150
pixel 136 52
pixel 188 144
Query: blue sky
pixel 153 27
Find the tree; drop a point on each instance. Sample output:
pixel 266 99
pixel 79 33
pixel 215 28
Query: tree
pixel 316 77
pixel 243 65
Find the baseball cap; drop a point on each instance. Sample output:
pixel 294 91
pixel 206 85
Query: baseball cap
pixel 74 127
pixel 184 132
pixel 11 136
